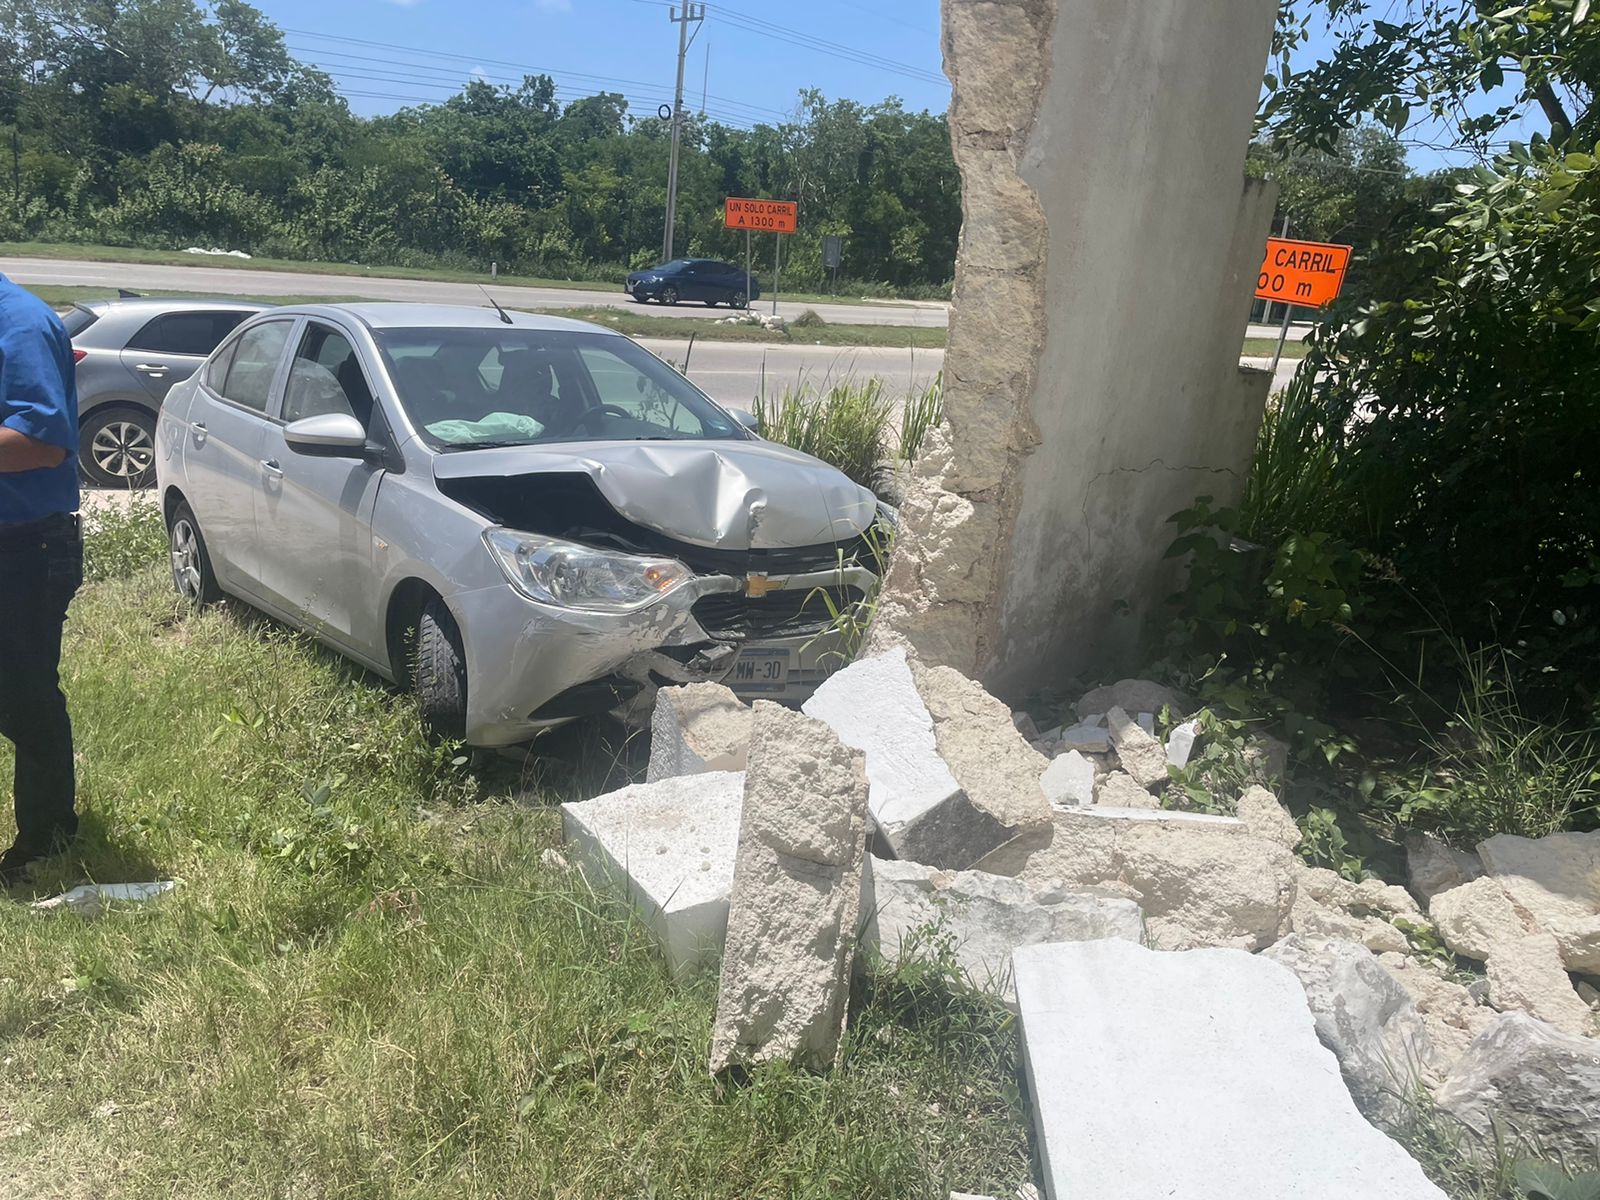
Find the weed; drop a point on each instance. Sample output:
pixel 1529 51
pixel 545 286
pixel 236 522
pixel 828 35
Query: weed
pixel 118 542
pixel 810 319
pixel 920 414
pixel 843 426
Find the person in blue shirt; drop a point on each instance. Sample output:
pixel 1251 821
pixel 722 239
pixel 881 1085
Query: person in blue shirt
pixel 41 568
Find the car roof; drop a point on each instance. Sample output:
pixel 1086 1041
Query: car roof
pixel 398 315
pixel 154 304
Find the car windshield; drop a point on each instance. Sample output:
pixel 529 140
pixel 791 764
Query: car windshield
pixel 467 388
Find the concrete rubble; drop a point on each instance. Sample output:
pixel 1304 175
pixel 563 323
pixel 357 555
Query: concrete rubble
pixel 873 706
pixel 1201 880
pixel 670 847
pixel 1152 1073
pixel 1526 975
pixel 1328 905
pixel 1004 806
pixel 796 896
pixel 1532 1080
pixel 695 728
pixel 1555 881
pixel 1365 1016
pixel 980 918
pixel 1069 779
pixel 1180 743
pixel 1121 790
pixel 1133 696
pixel 1259 809
pixel 1451 1014
pixel 1140 755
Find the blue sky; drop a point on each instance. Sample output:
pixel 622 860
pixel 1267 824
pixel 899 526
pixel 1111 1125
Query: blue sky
pixel 864 50
pixel 593 45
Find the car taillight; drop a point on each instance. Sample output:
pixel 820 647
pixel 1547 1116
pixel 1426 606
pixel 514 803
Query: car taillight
pixel 79 355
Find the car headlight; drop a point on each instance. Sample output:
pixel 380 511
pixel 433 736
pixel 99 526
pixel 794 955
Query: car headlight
pixel 576 576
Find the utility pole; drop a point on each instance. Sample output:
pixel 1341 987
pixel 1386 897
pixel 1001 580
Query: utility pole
pixel 682 18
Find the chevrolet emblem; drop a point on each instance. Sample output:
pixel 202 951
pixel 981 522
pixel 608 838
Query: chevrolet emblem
pixel 757 586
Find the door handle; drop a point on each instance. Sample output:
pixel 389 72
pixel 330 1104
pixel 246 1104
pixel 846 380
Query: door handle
pixel 198 431
pixel 151 368
pixel 271 467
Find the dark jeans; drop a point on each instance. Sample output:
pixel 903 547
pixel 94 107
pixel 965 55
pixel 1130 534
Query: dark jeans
pixel 41 567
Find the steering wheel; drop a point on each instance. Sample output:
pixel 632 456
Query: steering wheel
pixel 610 410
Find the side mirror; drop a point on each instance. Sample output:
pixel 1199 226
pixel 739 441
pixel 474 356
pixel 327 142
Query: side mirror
pixel 338 435
pixel 745 417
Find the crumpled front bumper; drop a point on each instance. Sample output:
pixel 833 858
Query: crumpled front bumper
pixel 522 655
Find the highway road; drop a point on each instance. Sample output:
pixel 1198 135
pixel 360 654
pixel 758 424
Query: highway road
pixel 237 281
pixel 736 372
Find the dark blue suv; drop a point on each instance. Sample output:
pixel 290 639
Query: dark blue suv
pixel 702 279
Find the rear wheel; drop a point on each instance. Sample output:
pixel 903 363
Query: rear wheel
pixel 440 677
pixel 669 295
pixel 117 448
pixel 192 575
pixel 738 300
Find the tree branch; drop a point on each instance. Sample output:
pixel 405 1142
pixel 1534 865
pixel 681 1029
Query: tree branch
pixel 1554 111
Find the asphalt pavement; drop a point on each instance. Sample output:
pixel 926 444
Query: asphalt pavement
pixel 236 281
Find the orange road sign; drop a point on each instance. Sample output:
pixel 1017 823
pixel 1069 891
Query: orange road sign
pixel 761 216
pixel 1308 274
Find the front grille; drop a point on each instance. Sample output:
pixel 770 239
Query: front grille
pixel 782 614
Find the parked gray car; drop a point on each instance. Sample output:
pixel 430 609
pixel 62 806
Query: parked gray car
pixel 130 352
pixel 527 519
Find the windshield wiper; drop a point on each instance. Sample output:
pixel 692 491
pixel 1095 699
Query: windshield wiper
pixel 500 445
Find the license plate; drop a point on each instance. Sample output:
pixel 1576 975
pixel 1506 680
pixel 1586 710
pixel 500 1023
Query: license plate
pixel 761 671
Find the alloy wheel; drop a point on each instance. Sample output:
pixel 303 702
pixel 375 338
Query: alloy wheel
pixel 186 575
pixel 123 449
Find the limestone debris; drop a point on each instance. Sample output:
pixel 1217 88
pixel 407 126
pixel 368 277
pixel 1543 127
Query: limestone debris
pixel 1151 1072
pixel 1364 1016
pixel 1069 779
pixel 1527 975
pixel 1534 1081
pixel 914 910
pixel 796 896
pixel 1133 696
pixel 670 847
pixel 1140 755
pixel 1259 809
pixel 1121 790
pixel 696 728
pixel 1433 867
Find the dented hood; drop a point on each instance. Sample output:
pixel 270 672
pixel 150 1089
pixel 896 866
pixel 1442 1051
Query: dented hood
pixel 732 495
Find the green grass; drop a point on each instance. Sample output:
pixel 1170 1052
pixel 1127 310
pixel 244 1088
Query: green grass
pixel 1267 347
pixel 641 324
pixel 367 985
pixel 128 254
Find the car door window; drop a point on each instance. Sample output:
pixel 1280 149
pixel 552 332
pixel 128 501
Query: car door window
pixel 326 377
pixel 618 384
pixel 194 334
pixel 254 365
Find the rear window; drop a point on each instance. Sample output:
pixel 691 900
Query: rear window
pixel 78 319
pixel 194 334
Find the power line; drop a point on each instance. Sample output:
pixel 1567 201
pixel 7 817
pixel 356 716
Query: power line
pixel 516 66
pixel 358 62
pixel 795 37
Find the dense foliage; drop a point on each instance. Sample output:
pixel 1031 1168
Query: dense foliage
pixel 176 122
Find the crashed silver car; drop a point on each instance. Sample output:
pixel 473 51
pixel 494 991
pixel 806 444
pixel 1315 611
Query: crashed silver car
pixel 527 519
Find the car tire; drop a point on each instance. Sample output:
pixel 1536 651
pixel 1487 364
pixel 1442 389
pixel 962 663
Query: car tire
pixel 669 295
pixel 117 447
pixel 738 300
pixel 192 575
pixel 440 675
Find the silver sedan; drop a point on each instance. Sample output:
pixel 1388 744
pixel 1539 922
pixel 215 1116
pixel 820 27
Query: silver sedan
pixel 526 519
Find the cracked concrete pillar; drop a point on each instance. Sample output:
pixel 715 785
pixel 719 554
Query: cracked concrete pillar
pixel 1093 385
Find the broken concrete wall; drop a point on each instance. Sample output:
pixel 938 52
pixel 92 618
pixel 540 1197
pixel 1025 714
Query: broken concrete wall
pixel 1093 384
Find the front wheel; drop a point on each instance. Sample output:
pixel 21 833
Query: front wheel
pixel 669 296
pixel 192 575
pixel 117 448
pixel 440 677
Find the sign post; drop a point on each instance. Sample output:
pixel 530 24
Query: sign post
pixel 1300 274
pixel 761 216
pixel 832 256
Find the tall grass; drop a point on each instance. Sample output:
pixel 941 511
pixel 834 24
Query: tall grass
pixel 1295 485
pixel 851 425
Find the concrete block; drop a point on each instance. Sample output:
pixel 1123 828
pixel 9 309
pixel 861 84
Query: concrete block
pixel 1121 790
pixel 1139 753
pixel 696 728
pixel 796 898
pixel 873 706
pixel 1555 881
pixel 1527 975
pixel 1260 809
pixel 1069 779
pixel 669 846
pixel 981 918
pixel 1180 743
pixel 1196 1075
pixel 1086 738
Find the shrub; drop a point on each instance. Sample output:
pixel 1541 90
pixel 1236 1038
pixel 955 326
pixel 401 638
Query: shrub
pixel 119 542
pixel 844 426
